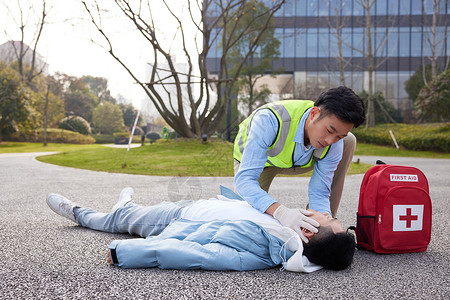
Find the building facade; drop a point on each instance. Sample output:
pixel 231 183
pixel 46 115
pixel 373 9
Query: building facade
pixel 324 43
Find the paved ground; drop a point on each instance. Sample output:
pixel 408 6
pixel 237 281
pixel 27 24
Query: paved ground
pixel 43 255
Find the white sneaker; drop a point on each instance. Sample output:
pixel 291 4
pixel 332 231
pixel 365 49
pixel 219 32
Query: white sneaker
pixel 62 206
pixel 125 197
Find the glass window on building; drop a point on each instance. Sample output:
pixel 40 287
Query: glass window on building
pixel 289 8
pixel 392 42
pixel 427 43
pixel 404 39
pixel 373 7
pixel 357 82
pixel 440 40
pixel 300 43
pixel 312 9
pixel 346 42
pixel 300 7
pixel 324 42
pixel 312 78
pixel 448 44
pixel 416 42
pixel 428 6
pixel 416 7
pixel 358 9
pixel 323 7
pixel 334 43
pixel 335 80
pixel 393 7
pixel 215 49
pixel 323 79
pixel 405 7
pixel 381 39
pixel 289 42
pixel 358 41
pixel 391 89
pixel 381 7
pixel 279 35
pixel 312 43
pixel 402 78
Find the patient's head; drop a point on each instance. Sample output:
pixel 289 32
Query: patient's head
pixel 331 247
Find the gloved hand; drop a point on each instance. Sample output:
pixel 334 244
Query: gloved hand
pixel 295 219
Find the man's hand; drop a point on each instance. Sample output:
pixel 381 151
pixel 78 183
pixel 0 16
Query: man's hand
pixel 296 219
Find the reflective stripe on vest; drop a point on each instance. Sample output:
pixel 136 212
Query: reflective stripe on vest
pixel 280 153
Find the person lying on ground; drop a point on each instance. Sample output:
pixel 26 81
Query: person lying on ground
pixel 215 234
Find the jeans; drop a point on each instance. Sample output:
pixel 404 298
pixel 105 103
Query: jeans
pixel 132 218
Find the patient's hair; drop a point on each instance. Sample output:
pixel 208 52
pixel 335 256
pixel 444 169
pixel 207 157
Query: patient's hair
pixel 330 250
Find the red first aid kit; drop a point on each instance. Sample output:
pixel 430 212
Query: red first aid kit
pixel 394 212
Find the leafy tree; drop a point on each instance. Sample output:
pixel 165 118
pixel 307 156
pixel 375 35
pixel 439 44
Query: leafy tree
pixel 15 99
pixel 129 115
pixel 259 62
pixel 416 82
pixel 99 87
pixel 107 118
pixel 385 112
pixel 30 18
pixel 433 102
pixel 181 93
pixel 76 124
pixel 79 100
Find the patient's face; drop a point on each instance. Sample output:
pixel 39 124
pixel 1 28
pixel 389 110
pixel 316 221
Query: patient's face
pixel 325 219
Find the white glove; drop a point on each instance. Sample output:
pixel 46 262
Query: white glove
pixel 296 219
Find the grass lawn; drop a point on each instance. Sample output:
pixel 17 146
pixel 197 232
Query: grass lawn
pixel 172 158
pixel 376 150
pixel 17 147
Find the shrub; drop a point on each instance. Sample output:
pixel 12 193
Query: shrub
pixel 153 136
pixel 103 138
pixel 433 102
pixel 54 135
pixel 122 134
pixel 432 137
pixel 109 139
pixel 138 131
pixel 76 124
pixel 173 135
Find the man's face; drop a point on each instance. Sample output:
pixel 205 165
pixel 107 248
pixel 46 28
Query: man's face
pixel 325 219
pixel 322 132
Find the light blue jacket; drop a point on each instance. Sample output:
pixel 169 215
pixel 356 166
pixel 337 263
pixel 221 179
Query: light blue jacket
pixel 214 245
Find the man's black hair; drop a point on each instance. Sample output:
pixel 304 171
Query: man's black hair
pixel 330 250
pixel 343 103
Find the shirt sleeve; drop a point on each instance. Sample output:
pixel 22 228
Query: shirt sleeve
pixel 262 134
pixel 320 184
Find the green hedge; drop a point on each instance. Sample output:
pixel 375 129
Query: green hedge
pixel 430 137
pixel 109 138
pixel 54 135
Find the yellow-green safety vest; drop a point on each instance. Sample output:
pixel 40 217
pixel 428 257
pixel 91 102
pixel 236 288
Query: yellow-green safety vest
pixel 280 153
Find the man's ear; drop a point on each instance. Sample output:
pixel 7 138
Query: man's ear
pixel 315 112
pixel 307 233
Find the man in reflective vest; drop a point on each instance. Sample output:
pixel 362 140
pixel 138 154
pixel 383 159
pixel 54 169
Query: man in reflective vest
pixel 294 137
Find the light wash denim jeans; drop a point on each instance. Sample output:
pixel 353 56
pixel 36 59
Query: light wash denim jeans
pixel 132 218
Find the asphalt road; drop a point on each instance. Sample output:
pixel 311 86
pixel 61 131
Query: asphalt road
pixel 45 256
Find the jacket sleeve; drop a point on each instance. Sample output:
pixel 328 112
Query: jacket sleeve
pixel 263 132
pixel 181 254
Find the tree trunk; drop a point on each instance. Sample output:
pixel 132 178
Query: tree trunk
pixel 45 115
pixel 370 120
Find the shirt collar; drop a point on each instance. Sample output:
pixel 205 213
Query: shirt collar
pixel 299 135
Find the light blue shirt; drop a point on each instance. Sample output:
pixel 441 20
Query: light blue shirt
pixel 262 133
